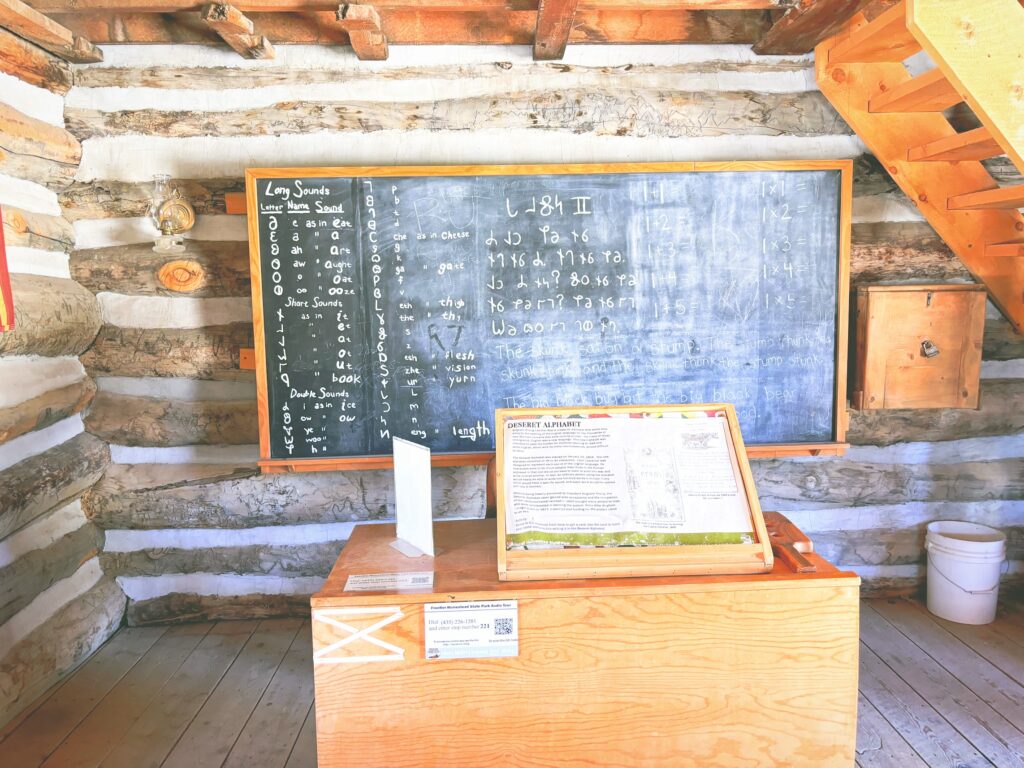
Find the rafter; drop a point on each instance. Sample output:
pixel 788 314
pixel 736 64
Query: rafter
pixel 362 23
pixel 414 27
pixel 301 6
pixel 805 25
pixel 554 23
pixel 237 31
pixel 27 22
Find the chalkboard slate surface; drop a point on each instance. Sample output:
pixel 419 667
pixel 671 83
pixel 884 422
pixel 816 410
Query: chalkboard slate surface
pixel 414 305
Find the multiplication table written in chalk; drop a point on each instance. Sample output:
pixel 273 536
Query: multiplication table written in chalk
pixel 471 630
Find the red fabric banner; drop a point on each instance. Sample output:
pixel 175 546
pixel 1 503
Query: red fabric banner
pixel 6 296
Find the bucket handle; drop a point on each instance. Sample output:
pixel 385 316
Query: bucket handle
pixel 1004 568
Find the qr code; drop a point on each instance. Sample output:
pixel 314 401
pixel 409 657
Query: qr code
pixel 503 626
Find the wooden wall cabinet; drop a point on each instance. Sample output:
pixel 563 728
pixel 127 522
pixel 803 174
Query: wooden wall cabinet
pixel 918 346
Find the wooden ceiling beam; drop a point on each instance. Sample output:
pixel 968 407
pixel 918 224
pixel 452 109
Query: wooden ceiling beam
pixel 237 31
pixel 426 27
pixel 362 23
pixel 28 23
pixel 554 24
pixel 805 25
pixel 303 6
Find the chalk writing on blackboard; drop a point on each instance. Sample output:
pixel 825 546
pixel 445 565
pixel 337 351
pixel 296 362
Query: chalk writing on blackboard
pixel 414 306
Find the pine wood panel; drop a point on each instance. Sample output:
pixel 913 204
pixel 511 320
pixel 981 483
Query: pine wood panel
pixel 718 659
pixel 849 87
pixel 970 145
pixel 930 92
pixel 979 46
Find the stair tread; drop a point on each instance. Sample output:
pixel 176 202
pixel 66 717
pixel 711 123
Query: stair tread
pixel 971 145
pixel 1000 197
pixel 930 92
pixel 1006 250
pixel 886 38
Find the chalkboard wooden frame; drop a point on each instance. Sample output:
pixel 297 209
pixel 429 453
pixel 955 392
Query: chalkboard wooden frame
pixel 836 447
pixel 613 562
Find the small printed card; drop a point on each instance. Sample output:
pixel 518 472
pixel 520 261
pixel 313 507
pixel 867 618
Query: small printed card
pixel 381 582
pixel 484 629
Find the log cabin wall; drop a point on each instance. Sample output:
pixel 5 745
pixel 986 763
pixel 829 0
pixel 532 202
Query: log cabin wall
pixel 56 605
pixel 193 531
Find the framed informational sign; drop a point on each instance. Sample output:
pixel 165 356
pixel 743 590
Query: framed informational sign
pixel 626 491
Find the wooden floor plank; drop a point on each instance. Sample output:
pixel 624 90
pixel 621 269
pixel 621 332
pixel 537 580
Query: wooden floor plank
pixel 275 724
pixel 45 728
pixel 985 728
pixel 989 683
pixel 1004 653
pixel 209 738
pixel 98 733
pixel 912 717
pixel 154 734
pixel 878 743
pixel 304 752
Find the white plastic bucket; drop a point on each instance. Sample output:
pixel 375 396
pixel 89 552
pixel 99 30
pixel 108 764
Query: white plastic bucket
pixel 965 561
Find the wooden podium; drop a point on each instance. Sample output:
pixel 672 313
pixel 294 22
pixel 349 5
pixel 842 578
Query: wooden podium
pixel 660 671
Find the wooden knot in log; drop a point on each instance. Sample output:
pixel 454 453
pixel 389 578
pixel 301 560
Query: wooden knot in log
pixel 182 275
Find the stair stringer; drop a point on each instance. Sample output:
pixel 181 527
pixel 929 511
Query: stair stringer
pixel 889 136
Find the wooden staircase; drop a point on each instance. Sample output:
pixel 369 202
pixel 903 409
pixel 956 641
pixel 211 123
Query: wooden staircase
pixel 978 49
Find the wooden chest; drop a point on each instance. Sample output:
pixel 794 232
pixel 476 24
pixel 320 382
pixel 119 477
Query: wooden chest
pixel 753 670
pixel 918 346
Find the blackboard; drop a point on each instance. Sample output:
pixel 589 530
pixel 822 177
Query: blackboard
pixel 413 302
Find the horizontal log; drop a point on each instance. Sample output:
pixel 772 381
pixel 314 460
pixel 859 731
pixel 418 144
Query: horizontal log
pixel 262 559
pixel 24 135
pixel 191 353
pixel 223 267
pixel 902 252
pixel 103 199
pixel 251 6
pixel 787 485
pixel 217 78
pixel 29 575
pixel 25 21
pixel 217 496
pixel 59 645
pixel 636 112
pixel 110 198
pixel 52 316
pixel 148 421
pixel 36 230
pixel 46 409
pixel 1001 413
pixel 178 608
pixel 32 64
pixel 411 26
pixel 50 479
pixel 50 173
pixel 1001 341
pixel 886 546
